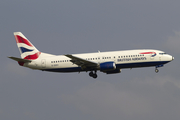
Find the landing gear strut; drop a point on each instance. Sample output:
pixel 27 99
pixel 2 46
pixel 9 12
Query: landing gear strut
pixel 94 75
pixel 156 70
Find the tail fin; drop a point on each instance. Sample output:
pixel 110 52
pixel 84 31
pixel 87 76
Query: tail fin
pixel 26 48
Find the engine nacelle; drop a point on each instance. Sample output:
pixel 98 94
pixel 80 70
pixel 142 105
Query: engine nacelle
pixel 113 71
pixel 107 66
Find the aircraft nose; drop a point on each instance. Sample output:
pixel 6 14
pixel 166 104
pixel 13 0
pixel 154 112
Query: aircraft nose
pixel 172 58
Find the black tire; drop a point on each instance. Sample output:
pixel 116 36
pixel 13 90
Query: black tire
pixel 91 74
pixel 94 76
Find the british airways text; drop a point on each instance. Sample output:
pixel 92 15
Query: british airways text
pixel 131 59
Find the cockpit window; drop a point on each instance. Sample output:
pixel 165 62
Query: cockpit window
pixel 162 53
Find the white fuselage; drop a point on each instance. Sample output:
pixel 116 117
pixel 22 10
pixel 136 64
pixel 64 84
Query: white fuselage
pixel 122 59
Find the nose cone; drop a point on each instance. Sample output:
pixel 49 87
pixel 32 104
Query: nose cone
pixel 169 57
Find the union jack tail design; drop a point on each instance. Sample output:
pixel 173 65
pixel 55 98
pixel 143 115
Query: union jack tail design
pixel 26 48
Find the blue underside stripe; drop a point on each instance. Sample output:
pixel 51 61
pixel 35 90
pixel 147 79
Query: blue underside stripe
pixel 119 66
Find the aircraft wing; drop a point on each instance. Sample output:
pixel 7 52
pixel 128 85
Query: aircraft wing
pixel 82 62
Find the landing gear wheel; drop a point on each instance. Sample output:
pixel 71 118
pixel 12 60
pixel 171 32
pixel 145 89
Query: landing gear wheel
pixel 94 75
pixel 91 74
pixel 156 70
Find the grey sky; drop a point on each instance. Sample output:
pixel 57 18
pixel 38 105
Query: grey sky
pixel 69 26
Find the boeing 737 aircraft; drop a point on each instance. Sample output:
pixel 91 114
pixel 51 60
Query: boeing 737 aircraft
pixel 107 62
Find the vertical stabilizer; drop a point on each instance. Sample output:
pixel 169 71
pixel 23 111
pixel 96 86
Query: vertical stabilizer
pixel 27 49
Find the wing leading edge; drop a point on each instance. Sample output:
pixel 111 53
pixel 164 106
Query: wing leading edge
pixel 84 64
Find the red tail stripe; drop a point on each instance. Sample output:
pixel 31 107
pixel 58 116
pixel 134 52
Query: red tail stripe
pixel 33 57
pixel 19 39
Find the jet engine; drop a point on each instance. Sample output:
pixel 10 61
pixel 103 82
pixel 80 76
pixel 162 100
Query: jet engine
pixel 107 66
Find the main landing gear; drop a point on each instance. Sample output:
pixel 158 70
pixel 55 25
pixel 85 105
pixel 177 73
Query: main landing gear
pixel 94 75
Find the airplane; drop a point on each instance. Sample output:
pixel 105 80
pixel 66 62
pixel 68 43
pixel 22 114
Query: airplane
pixel 107 62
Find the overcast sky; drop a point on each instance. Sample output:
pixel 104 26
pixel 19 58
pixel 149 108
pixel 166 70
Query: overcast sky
pixel 80 26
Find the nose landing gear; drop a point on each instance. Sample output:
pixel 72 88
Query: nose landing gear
pixel 156 70
pixel 94 75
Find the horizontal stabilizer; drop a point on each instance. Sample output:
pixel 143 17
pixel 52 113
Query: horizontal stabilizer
pixel 20 59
